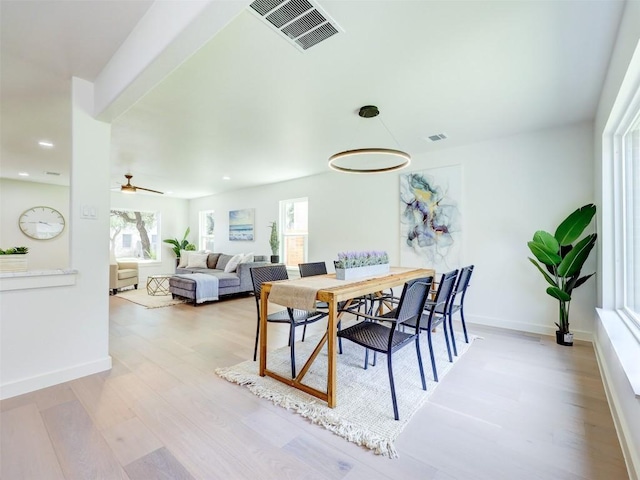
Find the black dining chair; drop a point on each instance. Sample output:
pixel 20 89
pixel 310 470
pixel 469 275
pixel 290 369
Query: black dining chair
pixel 312 268
pixel 292 316
pixel 457 304
pixel 320 268
pixel 436 313
pixel 374 334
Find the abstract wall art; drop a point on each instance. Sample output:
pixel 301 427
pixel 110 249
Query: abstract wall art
pixel 431 219
pixel 241 223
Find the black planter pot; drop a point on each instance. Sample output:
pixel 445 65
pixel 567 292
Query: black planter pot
pixel 275 258
pixel 565 339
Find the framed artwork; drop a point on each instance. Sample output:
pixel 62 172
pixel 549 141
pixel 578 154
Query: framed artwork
pixel 431 219
pixel 241 224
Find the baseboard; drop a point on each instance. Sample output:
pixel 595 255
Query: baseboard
pixel 631 455
pixel 524 327
pixel 30 384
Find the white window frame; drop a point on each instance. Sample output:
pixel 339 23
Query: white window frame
pixel 617 322
pixel 202 237
pixel 616 142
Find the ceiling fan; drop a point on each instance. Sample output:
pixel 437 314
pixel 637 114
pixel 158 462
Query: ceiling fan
pixel 128 188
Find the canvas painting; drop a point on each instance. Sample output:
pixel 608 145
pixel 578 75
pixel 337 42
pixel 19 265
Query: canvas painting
pixel 431 219
pixel 241 223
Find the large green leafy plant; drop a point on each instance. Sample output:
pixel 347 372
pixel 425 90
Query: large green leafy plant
pixel 562 260
pixel 180 244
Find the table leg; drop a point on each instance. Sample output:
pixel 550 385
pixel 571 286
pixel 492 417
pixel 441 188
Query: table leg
pixel 332 359
pixel 264 305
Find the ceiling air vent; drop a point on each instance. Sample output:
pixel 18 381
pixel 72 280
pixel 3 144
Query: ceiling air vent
pixel 437 137
pixel 301 22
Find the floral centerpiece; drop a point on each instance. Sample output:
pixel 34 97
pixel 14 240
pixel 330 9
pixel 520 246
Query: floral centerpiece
pixel 361 264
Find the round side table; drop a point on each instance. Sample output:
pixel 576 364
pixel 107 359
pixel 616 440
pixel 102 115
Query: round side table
pixel 158 284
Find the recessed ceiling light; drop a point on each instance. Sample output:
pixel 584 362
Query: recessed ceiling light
pixel 45 144
pixel 226 177
pixel 23 174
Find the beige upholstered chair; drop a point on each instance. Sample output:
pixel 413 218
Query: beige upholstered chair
pixel 122 274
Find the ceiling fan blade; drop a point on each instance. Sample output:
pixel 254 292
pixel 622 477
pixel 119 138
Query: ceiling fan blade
pixel 149 190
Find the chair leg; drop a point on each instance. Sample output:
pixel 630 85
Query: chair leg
pixel 366 358
pixel 446 337
pixel 433 359
pixel 424 382
pixel 393 388
pixel 453 335
pixel 340 338
pixel 255 348
pixel 304 331
pixel 292 341
pixel 464 325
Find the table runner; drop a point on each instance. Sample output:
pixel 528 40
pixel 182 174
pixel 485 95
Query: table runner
pixel 301 293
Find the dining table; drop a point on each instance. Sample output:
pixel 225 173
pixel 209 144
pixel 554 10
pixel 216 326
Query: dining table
pixel 303 293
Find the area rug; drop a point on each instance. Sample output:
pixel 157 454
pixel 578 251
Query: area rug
pixel 141 297
pixel 364 411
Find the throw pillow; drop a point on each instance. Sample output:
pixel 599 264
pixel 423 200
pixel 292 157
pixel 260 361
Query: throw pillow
pixel 197 260
pixel 184 258
pixel 222 261
pixel 212 260
pixel 233 263
pixel 247 258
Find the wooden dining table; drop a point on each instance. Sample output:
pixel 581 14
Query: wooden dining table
pixel 332 291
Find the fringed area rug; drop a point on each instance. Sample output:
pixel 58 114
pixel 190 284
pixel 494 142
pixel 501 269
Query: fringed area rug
pixel 364 411
pixel 141 297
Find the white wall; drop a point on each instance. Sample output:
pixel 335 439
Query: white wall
pixel 173 223
pixel 54 334
pixel 613 338
pixel 512 187
pixel 15 198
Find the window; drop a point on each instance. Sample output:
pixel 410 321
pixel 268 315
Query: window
pixel 207 225
pixel 294 231
pixel 134 234
pixel 630 218
pixel 621 203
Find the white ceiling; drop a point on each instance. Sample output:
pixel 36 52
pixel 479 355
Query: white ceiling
pixel 250 106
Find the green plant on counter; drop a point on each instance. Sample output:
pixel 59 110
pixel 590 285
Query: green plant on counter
pixel 15 251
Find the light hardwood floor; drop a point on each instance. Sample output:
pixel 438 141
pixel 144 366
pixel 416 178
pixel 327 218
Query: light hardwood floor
pixel 516 406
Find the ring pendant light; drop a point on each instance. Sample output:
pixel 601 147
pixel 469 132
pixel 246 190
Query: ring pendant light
pixel 370 160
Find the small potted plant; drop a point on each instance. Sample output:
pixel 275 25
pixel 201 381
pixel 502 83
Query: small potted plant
pixel 352 265
pixel 560 262
pixel 274 242
pixel 13 259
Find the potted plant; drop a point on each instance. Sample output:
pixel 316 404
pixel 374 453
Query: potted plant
pixel 179 245
pixel 274 242
pixel 352 265
pixel 13 259
pixel 563 262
